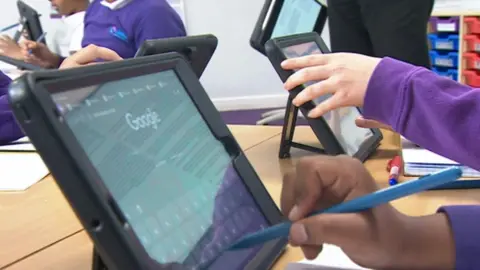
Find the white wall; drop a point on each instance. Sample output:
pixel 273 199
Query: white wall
pixel 238 77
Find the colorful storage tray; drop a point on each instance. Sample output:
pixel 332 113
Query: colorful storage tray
pixel 472 25
pixel 446 72
pixel 471 77
pixel 445 24
pixel 443 59
pixel 444 42
pixel 471 61
pixel 472 43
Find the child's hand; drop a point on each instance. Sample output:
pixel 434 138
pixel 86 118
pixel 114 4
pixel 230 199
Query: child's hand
pixel 90 55
pixel 38 54
pixel 344 75
pixel 8 47
pixel 380 238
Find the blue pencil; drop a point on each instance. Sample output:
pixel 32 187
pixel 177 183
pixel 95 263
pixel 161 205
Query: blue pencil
pixel 9 27
pixel 41 37
pixel 357 205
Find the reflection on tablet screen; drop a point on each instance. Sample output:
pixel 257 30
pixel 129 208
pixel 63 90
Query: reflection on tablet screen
pixel 171 177
pixel 296 16
pixel 341 121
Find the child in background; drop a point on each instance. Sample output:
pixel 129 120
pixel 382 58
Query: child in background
pixel 67 39
pixel 9 129
pixel 70 37
pixel 123 25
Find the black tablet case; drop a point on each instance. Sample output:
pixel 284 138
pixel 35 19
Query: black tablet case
pixel 197 49
pixel 319 126
pixel 261 35
pixel 30 20
pixel 72 170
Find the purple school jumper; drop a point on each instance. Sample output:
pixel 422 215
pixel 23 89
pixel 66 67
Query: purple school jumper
pixel 440 115
pixel 9 130
pixel 124 29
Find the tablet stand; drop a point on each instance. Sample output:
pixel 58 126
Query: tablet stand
pixel 97 262
pixel 273 115
pixel 18 33
pixel 17 36
pixel 289 124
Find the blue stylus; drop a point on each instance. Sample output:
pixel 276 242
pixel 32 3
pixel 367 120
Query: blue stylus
pixel 41 37
pixel 9 27
pixel 14 25
pixel 358 204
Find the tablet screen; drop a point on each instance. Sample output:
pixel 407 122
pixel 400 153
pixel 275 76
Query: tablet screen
pixel 171 177
pixel 295 17
pixel 341 121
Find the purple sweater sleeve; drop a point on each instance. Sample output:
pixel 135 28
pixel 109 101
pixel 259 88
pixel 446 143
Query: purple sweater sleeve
pixel 465 221
pixel 441 115
pixel 9 129
pixel 434 112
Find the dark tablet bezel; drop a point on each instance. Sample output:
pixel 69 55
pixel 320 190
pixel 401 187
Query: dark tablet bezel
pixel 197 49
pixel 30 20
pixel 19 64
pixel 267 20
pixel 79 181
pixel 319 126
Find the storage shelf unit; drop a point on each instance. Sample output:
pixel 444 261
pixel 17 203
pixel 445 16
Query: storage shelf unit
pixel 454 39
pixel 471 55
pixel 444 37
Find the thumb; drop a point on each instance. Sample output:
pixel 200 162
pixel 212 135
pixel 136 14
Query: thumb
pixel 335 229
pixel 367 123
pixel 27 44
pixel 32 45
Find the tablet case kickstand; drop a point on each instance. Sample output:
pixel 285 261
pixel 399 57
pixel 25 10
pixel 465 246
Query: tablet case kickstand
pixel 97 262
pixel 289 124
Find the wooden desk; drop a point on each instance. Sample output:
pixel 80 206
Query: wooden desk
pixel 53 238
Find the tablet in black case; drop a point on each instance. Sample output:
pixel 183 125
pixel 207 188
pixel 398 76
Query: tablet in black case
pixel 147 164
pixel 30 20
pixel 198 50
pixel 336 130
pixel 287 17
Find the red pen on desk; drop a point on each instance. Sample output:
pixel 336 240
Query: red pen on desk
pixel 394 166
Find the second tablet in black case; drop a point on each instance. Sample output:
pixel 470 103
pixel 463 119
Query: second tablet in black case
pixel 282 14
pixel 31 21
pixel 336 131
pixel 198 50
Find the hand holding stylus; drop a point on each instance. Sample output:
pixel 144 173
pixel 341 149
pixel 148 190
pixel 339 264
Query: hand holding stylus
pixel 37 53
pixel 377 238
